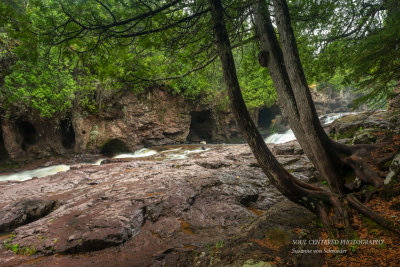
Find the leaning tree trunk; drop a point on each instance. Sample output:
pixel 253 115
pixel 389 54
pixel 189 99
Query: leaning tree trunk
pixel 313 198
pixel 284 64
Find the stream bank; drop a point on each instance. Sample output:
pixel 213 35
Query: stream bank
pixel 128 122
pixel 216 208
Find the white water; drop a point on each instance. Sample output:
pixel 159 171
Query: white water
pixel 333 117
pixel 41 172
pixel 171 154
pixel 144 152
pixel 279 138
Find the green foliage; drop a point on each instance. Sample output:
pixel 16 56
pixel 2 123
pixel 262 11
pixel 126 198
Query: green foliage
pixel 351 45
pixel 16 248
pixel 42 86
pixel 257 87
pixel 219 244
pixel 55 71
pixel 376 62
pixel 53 80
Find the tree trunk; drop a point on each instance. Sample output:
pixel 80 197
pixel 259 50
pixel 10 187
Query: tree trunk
pixel 286 73
pixel 311 197
pixel 284 64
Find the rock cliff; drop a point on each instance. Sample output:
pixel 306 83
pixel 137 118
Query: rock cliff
pixel 126 123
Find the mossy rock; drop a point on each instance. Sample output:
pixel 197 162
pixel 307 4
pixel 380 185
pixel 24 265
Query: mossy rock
pixel 253 263
pixel 278 237
pixel 365 136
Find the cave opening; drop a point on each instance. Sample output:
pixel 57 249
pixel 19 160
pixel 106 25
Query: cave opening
pixel 113 147
pixel 201 126
pixel 28 133
pixel 67 134
pixel 265 117
pixel 3 151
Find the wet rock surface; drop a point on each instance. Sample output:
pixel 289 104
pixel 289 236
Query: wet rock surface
pixel 141 212
pixel 348 126
pixel 25 211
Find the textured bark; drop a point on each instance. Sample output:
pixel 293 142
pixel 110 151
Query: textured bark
pixel 311 197
pixel 293 93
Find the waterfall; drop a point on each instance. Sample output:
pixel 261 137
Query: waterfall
pixel 279 138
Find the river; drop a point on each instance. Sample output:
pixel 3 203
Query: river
pixel 164 153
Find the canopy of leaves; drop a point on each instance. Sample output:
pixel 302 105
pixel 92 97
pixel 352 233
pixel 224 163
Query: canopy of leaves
pixel 350 43
pixel 62 52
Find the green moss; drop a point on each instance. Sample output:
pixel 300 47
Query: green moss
pixel 371 224
pixel 16 248
pixel 9 166
pixel 349 177
pixel 388 163
pixel 278 236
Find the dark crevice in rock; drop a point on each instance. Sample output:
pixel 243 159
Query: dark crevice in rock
pixel 24 212
pixel 113 147
pixel 67 134
pixel 266 115
pixel 248 200
pixel 201 126
pixel 28 133
pixel 94 245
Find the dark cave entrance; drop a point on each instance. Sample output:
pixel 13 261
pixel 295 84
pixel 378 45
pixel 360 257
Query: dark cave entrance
pixel 265 117
pixel 28 133
pixel 113 147
pixel 67 134
pixel 201 126
pixel 3 151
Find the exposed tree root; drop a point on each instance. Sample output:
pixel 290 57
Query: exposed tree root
pixel 382 161
pixel 356 157
pixel 363 171
pixel 334 210
pixel 371 214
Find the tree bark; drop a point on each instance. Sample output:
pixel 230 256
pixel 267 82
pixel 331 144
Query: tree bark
pixel 311 197
pixel 292 89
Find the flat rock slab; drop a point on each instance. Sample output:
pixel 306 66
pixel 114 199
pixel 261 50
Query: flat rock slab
pixel 137 213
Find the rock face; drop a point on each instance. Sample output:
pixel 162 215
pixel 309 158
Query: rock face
pixel 330 101
pixel 33 137
pixel 135 122
pixel 158 210
pixel 125 123
pixel 128 122
pixel 360 126
pixel 25 211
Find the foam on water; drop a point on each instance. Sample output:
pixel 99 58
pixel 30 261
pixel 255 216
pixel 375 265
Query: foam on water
pixel 144 152
pixel 97 162
pixel 279 138
pixel 332 118
pixel 41 172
